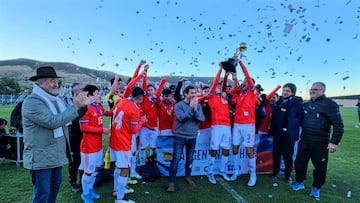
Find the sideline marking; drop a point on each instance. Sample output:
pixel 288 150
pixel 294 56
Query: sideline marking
pixel 230 190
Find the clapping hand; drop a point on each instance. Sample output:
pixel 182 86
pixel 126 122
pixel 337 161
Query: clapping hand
pixel 194 102
pixel 82 100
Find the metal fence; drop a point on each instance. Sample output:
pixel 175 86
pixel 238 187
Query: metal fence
pixel 10 99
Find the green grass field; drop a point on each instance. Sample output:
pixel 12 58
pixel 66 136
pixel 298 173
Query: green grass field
pixel 343 175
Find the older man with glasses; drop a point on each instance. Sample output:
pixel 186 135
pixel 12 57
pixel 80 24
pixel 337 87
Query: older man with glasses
pixel 321 114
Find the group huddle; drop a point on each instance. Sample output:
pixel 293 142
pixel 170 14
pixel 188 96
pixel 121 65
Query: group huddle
pixel 231 115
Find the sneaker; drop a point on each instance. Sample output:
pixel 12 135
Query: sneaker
pixel 315 192
pixel 225 176
pixel 94 195
pixel 132 181
pixel 75 188
pixel 135 176
pixel 86 198
pixel 234 176
pixel 297 186
pixel 252 181
pixel 124 201
pixel 171 187
pixel 211 178
pixel 190 181
pixel 129 190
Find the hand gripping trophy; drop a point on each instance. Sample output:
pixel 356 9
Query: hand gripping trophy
pixel 231 63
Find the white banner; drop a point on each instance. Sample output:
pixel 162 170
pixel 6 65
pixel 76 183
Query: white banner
pixel 201 156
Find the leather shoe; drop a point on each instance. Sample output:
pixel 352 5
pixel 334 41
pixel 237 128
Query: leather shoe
pixel 171 187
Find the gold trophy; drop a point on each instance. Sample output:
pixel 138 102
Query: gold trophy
pixel 231 63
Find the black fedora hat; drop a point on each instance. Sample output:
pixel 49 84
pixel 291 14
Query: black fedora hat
pixel 44 72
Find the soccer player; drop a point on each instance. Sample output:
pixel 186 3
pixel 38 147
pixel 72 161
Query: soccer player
pixel 220 128
pixel 149 132
pixel 244 124
pixel 166 113
pixel 91 124
pixel 126 122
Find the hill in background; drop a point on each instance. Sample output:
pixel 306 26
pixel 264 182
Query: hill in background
pixel 22 69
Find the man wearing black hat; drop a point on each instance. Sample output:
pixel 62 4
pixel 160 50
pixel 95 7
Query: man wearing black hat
pixel 45 116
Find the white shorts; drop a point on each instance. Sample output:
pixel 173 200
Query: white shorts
pixel 244 133
pixel 91 161
pixel 148 137
pixel 220 137
pixel 167 132
pixel 122 158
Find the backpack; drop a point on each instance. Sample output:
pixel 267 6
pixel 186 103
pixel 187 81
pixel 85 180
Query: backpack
pixel 150 171
pixel 103 176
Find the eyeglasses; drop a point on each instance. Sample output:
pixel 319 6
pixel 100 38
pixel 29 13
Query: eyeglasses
pixel 315 89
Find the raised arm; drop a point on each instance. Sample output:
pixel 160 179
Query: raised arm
pixel 161 87
pixel 144 82
pixel 224 83
pixel 247 75
pixel 131 84
pixel 215 81
pixel 177 95
pixel 137 70
pixel 271 94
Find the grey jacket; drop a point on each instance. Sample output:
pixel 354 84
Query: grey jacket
pixel 41 149
pixel 187 120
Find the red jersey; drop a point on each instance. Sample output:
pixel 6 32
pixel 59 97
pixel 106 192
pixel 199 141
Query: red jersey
pixel 91 124
pixel 207 122
pixel 150 105
pixel 166 115
pixel 219 106
pixel 246 101
pixel 219 110
pixel 126 122
pixel 265 122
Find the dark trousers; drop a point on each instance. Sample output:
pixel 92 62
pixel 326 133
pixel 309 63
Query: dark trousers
pixel 319 154
pixel 74 164
pixel 283 146
pixel 179 144
pixel 46 184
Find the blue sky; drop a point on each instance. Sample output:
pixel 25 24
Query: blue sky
pixel 288 41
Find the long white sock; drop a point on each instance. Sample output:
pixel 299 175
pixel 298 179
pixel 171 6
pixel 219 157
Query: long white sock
pixel 252 167
pixel 116 177
pixel 93 179
pixel 122 181
pixel 85 184
pixel 211 165
pixel 133 165
pixel 142 156
pixel 223 162
pixel 236 163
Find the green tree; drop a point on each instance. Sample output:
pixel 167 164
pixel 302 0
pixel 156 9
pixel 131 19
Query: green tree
pixel 9 86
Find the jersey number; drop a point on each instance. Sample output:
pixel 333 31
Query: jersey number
pixel 118 119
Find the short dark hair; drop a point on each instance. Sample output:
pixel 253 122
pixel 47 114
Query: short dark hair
pixel 90 89
pixel 172 87
pixel 291 86
pixel 113 79
pixel 166 91
pixel 150 85
pixel 187 89
pixel 137 91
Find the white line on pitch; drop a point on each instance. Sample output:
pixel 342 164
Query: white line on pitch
pixel 230 190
